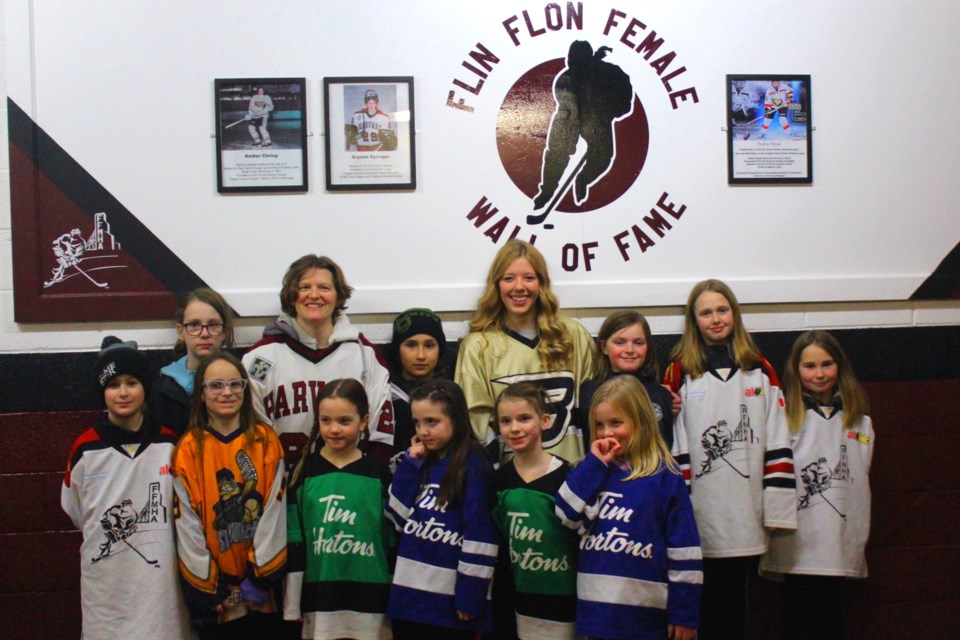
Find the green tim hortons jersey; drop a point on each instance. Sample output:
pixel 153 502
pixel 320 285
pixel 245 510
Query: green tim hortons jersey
pixel 543 553
pixel 338 540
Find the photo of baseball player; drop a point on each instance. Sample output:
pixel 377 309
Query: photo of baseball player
pixel 370 128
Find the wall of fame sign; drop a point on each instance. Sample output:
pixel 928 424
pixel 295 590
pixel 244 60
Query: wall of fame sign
pixel 597 130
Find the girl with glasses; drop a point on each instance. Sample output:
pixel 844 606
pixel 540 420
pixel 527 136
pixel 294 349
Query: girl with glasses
pixel 231 523
pixel 204 326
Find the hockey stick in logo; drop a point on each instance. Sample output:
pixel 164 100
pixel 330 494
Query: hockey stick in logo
pixel 730 464
pixel 155 563
pixel 75 264
pixel 832 506
pixel 538 218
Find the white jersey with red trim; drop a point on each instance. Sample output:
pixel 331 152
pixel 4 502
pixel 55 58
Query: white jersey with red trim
pixel 368 128
pixel 287 371
pixel 833 501
pixel 778 97
pixel 733 445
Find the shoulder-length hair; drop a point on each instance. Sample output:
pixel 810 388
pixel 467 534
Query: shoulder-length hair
pixel 200 418
pixel 289 290
pixel 691 349
pixel 453 404
pixel 646 452
pixel 556 343
pixel 617 321
pixel 855 401
pixel 215 300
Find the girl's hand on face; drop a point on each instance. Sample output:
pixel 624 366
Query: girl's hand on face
pixel 463 616
pixel 606 449
pixel 416 450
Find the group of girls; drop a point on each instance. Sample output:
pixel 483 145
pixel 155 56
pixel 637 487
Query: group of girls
pixel 607 548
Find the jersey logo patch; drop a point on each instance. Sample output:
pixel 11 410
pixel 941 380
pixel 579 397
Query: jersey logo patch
pixel 259 369
pixel 559 387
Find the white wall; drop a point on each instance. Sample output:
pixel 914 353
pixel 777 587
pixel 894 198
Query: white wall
pixel 16 338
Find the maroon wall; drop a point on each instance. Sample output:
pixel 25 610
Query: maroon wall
pixel 914 554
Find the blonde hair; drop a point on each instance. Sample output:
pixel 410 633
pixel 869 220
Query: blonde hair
pixel 646 452
pixel 691 350
pixel 855 401
pixel 556 343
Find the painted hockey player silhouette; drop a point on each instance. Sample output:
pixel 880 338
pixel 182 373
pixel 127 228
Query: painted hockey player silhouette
pixel 816 479
pixel 591 95
pixel 716 442
pixel 118 522
pixel 67 248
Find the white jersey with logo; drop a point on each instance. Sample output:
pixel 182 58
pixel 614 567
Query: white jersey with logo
pixel 287 371
pixel 120 496
pixel 833 500
pixel 733 445
pixel 368 128
pixel 488 362
pixel 778 98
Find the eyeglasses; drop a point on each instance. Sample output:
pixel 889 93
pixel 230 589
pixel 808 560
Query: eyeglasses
pixel 195 328
pixel 216 387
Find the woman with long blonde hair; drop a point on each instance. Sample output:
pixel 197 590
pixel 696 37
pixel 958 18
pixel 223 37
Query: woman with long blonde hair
pixel 518 335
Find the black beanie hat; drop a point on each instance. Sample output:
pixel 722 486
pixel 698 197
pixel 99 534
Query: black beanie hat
pixel 117 357
pixel 415 321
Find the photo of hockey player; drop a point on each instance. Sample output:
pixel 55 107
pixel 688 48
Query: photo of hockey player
pixel 370 128
pixel 258 114
pixel 768 126
pixel 261 134
pixel 370 139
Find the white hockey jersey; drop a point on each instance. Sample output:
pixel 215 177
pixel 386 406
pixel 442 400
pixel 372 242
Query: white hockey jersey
pixel 833 502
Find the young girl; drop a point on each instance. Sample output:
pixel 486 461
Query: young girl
pixel 517 335
pixel 118 494
pixel 415 351
pixel 311 342
pixel 542 552
pixel 336 533
pixel 639 572
pixel 231 525
pixel 731 436
pixel 626 348
pixel 440 502
pixel 204 326
pixel 832 446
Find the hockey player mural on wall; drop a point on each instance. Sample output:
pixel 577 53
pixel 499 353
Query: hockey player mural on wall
pixel 119 524
pixel 71 249
pixel 591 95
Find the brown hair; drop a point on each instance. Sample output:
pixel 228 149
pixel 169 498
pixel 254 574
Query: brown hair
pixel 215 300
pixel 691 349
pixel 347 389
pixel 289 290
pixel 618 321
pixel 855 401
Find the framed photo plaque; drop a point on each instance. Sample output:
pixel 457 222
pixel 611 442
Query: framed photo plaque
pixel 769 129
pixel 370 135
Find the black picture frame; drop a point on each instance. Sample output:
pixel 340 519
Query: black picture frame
pixel 261 153
pixel 359 154
pixel 769 129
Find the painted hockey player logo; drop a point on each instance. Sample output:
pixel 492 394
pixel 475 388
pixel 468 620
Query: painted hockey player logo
pixel 817 478
pixel 119 524
pixel 71 249
pixel 238 511
pixel 563 128
pixel 591 95
pixel 719 444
